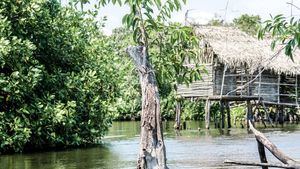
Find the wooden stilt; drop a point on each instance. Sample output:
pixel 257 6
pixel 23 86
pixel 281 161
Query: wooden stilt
pixel 178 113
pixel 260 114
pixel 267 113
pixel 280 115
pixel 222 114
pixel 207 113
pixel 216 119
pixel 249 113
pixel 228 115
pixel 262 154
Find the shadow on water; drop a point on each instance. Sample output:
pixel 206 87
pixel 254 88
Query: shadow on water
pixel 194 147
pixel 83 158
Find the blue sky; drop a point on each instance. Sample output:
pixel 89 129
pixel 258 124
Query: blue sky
pixel 204 10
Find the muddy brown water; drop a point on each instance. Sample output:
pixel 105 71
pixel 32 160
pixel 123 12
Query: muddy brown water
pixel 189 149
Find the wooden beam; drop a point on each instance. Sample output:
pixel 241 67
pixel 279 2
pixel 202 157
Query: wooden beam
pixel 281 84
pixel 223 79
pixel 233 98
pixel 284 104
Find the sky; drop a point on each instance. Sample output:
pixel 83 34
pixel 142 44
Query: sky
pixel 201 11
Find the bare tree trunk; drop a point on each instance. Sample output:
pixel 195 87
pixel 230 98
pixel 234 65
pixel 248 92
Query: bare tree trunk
pixel 152 154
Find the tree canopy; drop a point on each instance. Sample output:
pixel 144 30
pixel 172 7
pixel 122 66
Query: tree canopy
pixel 55 85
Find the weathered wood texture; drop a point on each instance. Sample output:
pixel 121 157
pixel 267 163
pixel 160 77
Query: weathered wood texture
pixel 152 154
pixel 200 88
pixel 273 88
pixel 178 115
pixel 273 149
pixel 229 81
pixel 268 87
pixel 263 141
pixel 207 113
pixel 228 114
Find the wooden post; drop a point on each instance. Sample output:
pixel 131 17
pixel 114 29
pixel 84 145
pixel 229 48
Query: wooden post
pixel 216 119
pixel 207 113
pixel 277 115
pixel 242 79
pixel 223 79
pixel 267 113
pixel 259 85
pixel 249 113
pixel 281 116
pixel 262 153
pixel 222 114
pixel 296 90
pixel 178 114
pixel 278 89
pixel 228 115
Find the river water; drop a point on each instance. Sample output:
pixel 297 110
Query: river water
pixel 194 148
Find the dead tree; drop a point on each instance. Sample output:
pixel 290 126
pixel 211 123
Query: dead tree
pixel 152 152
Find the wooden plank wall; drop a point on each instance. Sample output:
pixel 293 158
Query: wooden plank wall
pixel 268 86
pixel 229 81
pixel 201 88
pixel 289 89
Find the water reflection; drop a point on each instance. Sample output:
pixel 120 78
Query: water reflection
pixel 88 158
pixel 195 147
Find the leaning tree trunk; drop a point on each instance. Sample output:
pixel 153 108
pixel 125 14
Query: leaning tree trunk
pixel 152 154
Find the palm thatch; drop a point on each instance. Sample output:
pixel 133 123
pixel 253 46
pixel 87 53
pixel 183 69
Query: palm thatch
pixel 236 48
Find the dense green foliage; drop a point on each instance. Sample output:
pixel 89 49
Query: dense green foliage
pixel 62 81
pixel 128 97
pixel 216 22
pixel 169 46
pixel 167 69
pixel 55 85
pixel 284 32
pixel 248 23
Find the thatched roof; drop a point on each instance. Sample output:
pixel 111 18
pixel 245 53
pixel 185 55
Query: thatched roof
pixel 234 48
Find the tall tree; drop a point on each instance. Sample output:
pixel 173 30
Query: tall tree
pixel 149 34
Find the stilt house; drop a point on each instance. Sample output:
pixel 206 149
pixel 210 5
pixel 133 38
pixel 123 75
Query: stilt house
pixel 242 68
